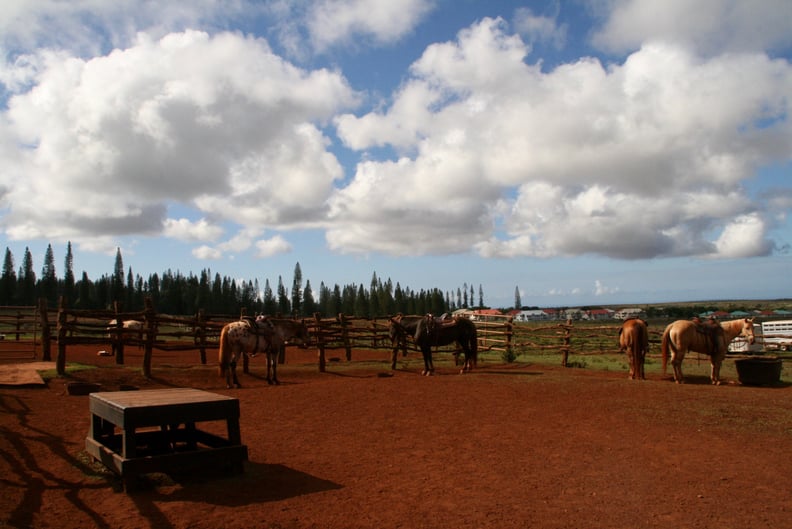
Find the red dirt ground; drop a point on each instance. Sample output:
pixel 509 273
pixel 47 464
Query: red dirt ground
pixel 506 446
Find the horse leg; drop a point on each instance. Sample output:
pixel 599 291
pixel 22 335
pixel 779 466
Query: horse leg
pixel 426 351
pixel 640 365
pixel 274 367
pixel 676 362
pixel 716 362
pixel 467 365
pixel 231 378
pixel 394 354
pixel 631 359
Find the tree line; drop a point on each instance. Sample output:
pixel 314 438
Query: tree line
pixel 176 293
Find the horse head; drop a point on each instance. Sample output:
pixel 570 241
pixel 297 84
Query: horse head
pixel 748 330
pixel 299 334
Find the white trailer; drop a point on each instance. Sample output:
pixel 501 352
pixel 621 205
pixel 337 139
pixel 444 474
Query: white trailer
pixel 777 335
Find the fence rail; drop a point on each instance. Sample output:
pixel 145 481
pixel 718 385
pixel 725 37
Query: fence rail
pixel 345 333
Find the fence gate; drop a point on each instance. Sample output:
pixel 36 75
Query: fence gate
pixel 20 329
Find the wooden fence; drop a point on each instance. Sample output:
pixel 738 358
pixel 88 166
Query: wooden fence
pixel 342 333
pixel 20 332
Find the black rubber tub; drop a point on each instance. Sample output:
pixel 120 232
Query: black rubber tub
pixel 759 371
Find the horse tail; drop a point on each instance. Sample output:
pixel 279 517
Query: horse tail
pixel 474 343
pixel 224 353
pixel 664 348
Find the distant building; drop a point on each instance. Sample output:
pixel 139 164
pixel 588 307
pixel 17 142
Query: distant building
pixel 629 312
pixel 598 314
pixel 531 315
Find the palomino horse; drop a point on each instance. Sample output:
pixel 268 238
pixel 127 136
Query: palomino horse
pixel 431 331
pixel 129 330
pixel 399 329
pixel 265 335
pixel 634 340
pixel 711 339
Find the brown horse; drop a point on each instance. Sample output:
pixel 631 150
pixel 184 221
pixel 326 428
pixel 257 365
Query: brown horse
pixel 399 329
pixel 713 339
pixel 264 335
pixel 431 331
pixel 634 340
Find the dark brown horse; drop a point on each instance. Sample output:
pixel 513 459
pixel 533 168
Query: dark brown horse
pixel 431 331
pixel 399 329
pixel 634 341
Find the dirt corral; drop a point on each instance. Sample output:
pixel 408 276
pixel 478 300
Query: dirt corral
pixel 506 446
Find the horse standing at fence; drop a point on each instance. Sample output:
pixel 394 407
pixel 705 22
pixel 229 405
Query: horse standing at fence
pixel 262 335
pixel 399 329
pixel 711 339
pixel 634 341
pixel 431 331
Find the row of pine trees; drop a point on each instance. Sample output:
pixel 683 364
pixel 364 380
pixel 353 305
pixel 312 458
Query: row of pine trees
pixel 176 293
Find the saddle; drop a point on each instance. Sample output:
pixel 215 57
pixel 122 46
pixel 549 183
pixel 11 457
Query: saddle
pixel 713 334
pixel 259 326
pixel 440 322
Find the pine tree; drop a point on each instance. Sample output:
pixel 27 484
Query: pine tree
pixel 69 292
pixel 8 280
pixel 283 298
pixel 27 280
pixel 117 280
pixel 49 279
pixel 296 292
pixel 84 300
pixel 309 304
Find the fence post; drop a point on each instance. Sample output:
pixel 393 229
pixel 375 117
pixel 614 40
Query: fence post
pixel 509 333
pixel 149 319
pixel 60 361
pixel 567 342
pixel 345 336
pixel 245 357
pixel 320 342
pixel 200 334
pixel 118 337
pixel 45 331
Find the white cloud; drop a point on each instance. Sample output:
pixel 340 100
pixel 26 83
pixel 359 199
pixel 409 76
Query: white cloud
pixel 745 236
pixel 639 160
pixel 93 27
pixel 600 289
pixel 218 122
pixel 331 22
pixel 272 246
pixel 710 27
pixel 205 252
pixel 540 28
pixel 187 230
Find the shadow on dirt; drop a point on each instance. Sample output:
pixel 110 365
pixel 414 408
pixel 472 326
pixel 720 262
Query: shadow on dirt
pixel 259 483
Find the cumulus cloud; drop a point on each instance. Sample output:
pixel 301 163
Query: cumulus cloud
pixel 187 230
pixel 710 27
pixel 272 246
pixel 540 28
pixel 331 22
pixel 636 160
pixel 477 150
pixel 215 122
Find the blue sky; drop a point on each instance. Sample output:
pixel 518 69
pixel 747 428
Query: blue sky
pixel 585 152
